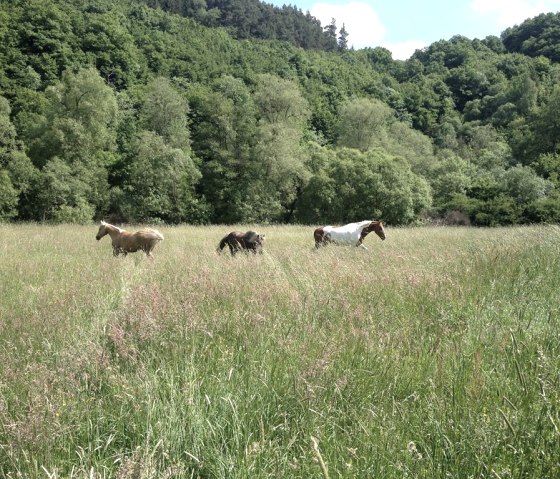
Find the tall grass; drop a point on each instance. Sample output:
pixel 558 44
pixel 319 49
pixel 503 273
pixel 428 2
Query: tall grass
pixel 434 354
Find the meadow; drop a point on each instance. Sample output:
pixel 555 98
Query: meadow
pixel 433 354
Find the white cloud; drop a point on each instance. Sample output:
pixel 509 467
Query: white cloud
pixel 404 50
pixel 360 20
pixel 364 27
pixel 508 13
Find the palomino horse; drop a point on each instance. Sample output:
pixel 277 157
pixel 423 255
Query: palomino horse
pixel 238 241
pixel 124 242
pixel 353 233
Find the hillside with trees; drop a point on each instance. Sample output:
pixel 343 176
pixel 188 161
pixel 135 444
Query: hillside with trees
pixel 225 112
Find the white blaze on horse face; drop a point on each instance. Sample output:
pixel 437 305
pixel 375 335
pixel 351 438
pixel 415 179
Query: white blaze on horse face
pixel 382 231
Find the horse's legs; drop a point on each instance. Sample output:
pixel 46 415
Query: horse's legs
pixel 359 243
pixel 235 247
pixel 322 240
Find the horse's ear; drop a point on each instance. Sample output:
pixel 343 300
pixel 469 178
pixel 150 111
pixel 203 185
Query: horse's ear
pixel 103 223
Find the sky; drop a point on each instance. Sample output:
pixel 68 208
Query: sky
pixel 402 26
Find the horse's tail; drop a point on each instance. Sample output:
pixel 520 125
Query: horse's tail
pixel 152 234
pixel 157 235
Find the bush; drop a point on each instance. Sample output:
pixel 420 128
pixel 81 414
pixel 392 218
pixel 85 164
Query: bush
pixel 82 213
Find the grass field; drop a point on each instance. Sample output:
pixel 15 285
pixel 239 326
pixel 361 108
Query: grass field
pixel 434 354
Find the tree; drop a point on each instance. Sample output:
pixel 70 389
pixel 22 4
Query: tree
pixel 108 42
pixel 62 194
pixel 165 112
pixel 16 170
pixel 330 34
pixel 224 138
pixel 283 114
pixel 45 38
pixel 536 36
pixel 160 184
pixel 78 131
pixel 450 177
pixel 524 185
pixel 545 127
pixel 364 185
pixel 81 117
pixel 363 123
pixel 343 39
pixel 8 197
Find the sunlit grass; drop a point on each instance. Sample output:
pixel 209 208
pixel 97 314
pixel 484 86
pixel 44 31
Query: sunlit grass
pixel 432 354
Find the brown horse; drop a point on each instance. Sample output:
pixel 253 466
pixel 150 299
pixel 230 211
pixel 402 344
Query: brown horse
pixel 238 241
pixel 353 233
pixel 124 242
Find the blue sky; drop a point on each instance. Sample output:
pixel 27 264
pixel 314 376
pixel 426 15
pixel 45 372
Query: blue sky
pixel 402 26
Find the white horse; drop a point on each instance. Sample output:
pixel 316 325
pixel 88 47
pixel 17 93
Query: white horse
pixel 352 233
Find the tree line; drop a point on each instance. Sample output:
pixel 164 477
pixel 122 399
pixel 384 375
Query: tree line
pixel 144 111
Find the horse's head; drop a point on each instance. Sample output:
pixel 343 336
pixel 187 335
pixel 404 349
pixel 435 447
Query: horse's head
pixel 259 243
pixel 377 227
pixel 102 231
pixel 254 241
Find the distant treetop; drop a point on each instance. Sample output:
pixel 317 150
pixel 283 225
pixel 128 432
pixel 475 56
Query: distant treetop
pixel 255 19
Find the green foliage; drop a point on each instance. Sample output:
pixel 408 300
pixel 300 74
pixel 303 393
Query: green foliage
pixel 450 177
pixel 16 168
pixel 165 113
pixel 536 36
pixel 358 186
pixel 506 196
pixel 362 123
pixel 106 39
pixel 80 118
pixel 280 101
pixel 224 137
pixel 61 193
pixel 254 124
pixel 160 183
pixel 8 197
pixel 548 166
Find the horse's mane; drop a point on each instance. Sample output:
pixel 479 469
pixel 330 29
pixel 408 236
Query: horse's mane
pixel 120 230
pixel 365 223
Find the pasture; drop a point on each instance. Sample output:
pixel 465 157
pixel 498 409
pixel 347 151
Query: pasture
pixel 433 354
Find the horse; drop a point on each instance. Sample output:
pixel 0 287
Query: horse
pixel 125 242
pixel 238 241
pixel 352 233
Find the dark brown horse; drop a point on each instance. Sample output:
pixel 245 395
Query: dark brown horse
pixel 353 233
pixel 125 242
pixel 238 241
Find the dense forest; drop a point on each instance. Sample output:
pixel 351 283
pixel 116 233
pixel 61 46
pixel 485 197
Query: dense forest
pixel 213 111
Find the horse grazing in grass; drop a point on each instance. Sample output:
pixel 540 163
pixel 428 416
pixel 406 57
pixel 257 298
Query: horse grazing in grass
pixel 124 242
pixel 353 233
pixel 238 241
